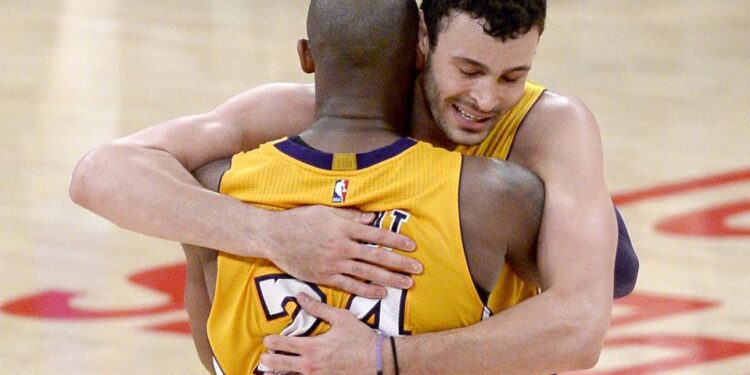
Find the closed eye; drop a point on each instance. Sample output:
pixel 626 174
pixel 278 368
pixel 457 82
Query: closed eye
pixel 470 73
pixel 511 80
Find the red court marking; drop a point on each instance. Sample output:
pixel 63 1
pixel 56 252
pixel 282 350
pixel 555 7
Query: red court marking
pixel 710 222
pixel 647 306
pixel 179 327
pixel 694 350
pixel 680 187
pixel 57 304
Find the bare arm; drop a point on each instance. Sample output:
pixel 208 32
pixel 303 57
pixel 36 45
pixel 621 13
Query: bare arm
pixel 142 182
pixel 564 327
pixel 561 329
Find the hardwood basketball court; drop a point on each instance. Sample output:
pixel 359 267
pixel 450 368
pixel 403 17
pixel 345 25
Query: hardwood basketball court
pixel 667 81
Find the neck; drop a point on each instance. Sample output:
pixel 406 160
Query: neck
pixel 352 124
pixel 348 106
pixel 423 126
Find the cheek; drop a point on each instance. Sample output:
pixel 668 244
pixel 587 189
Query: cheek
pixel 514 95
pixel 446 79
pixel 452 86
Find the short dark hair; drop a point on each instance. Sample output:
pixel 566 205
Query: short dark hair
pixel 364 34
pixel 502 19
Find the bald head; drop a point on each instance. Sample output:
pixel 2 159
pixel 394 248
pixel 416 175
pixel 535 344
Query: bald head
pixel 367 44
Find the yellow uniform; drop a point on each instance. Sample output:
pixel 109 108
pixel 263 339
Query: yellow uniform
pixel 252 295
pixel 510 289
pixel 414 188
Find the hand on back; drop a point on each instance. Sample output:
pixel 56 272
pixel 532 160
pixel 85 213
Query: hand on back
pixel 328 246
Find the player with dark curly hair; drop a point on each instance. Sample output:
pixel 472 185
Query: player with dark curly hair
pixel 473 96
pixel 500 19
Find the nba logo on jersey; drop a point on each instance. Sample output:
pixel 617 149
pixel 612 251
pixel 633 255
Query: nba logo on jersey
pixel 339 191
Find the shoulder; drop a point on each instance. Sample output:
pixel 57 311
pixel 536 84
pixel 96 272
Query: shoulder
pixel 496 186
pixel 559 128
pixel 552 101
pixel 559 113
pixel 496 175
pixel 501 206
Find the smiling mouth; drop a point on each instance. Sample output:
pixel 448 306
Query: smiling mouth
pixel 470 117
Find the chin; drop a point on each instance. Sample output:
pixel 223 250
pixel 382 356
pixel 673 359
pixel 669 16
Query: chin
pixel 465 138
pixel 465 135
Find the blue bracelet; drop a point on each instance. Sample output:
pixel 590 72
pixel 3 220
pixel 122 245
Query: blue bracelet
pixel 379 352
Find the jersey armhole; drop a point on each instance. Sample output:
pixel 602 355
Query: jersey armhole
pixel 482 295
pixel 523 121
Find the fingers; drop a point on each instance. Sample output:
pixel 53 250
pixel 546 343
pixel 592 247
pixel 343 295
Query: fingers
pixel 368 234
pixel 378 275
pixel 357 287
pixel 382 237
pixel 286 344
pixel 387 259
pixel 320 310
pixel 355 215
pixel 282 363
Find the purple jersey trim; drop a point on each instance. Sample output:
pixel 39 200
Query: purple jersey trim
pixel 324 160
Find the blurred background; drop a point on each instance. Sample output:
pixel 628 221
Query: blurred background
pixel 666 80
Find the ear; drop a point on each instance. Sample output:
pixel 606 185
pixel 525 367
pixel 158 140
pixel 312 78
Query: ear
pixel 423 43
pixel 305 57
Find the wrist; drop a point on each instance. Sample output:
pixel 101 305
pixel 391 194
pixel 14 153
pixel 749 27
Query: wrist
pixel 379 342
pixel 260 239
pixel 249 231
pixel 389 362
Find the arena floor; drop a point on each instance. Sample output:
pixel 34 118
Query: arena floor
pixel 81 296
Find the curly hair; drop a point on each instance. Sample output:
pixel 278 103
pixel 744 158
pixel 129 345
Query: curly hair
pixel 502 19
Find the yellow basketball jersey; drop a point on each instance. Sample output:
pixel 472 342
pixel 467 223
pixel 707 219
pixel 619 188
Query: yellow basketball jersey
pixel 510 289
pixel 414 189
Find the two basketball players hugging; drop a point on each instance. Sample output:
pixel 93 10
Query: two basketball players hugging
pixel 483 243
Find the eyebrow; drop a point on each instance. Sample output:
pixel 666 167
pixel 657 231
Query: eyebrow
pixel 485 67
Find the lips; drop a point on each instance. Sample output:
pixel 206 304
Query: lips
pixel 471 121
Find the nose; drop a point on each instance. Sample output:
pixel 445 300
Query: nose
pixel 486 95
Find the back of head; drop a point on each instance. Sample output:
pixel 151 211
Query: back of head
pixel 363 47
pixel 502 19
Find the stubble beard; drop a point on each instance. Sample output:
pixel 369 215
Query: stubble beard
pixel 447 136
pixel 433 99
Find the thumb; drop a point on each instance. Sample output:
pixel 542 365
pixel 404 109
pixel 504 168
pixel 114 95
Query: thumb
pixel 355 215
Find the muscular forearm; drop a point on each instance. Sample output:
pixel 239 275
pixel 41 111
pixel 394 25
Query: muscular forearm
pixel 542 335
pixel 150 192
pixel 561 329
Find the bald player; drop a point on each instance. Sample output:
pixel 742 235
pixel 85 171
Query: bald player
pixel 353 156
pixel 473 97
pixel 524 120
